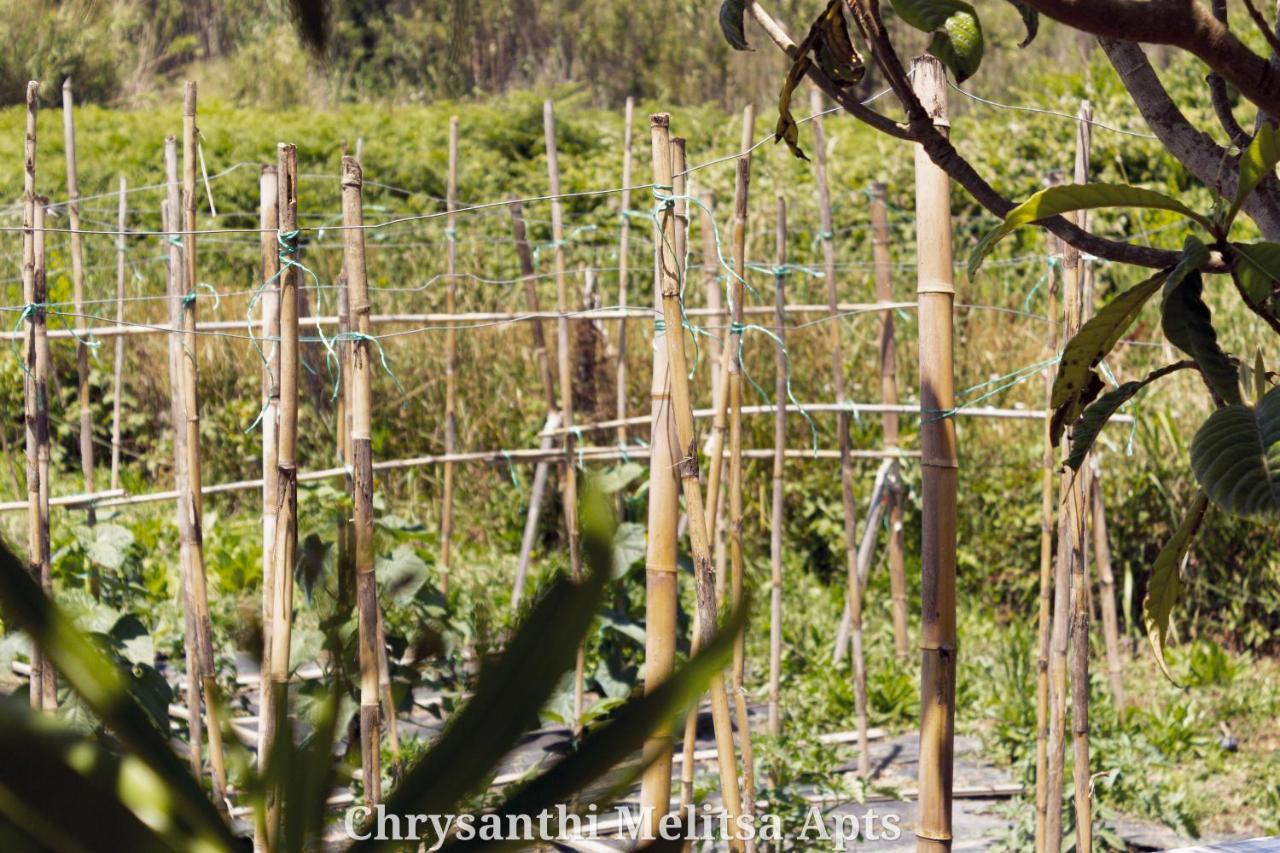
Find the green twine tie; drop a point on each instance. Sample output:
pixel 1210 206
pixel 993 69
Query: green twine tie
pixel 736 328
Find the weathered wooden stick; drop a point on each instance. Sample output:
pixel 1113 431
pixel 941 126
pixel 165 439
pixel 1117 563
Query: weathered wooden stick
pixel 35 395
pixel 889 395
pixel 777 522
pixel 284 548
pixel 1106 588
pixel 853 589
pixel 77 298
pixel 268 221
pixel 624 261
pixel 936 295
pixel 1078 515
pixel 866 550
pixel 686 453
pixel 362 454
pixel 450 357
pixel 569 485
pixel 541 473
pixel 188 364
pixel 117 367
pixel 48 687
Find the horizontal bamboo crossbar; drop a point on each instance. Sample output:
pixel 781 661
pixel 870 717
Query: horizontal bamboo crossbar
pixel 462 319
pixel 117 497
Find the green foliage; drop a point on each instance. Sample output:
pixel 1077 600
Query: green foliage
pixel 1236 457
pixel 955 33
pixel 1165 585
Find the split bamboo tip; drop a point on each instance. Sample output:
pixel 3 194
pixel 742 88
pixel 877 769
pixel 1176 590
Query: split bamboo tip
pixel 66 89
pixel 268 169
pixel 33 90
pixel 660 120
pixel 933 97
pixel 352 175
pixel 189 98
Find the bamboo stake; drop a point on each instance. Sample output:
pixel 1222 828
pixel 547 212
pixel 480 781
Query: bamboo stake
pixel 451 356
pixel 200 597
pixel 284 548
pixel 779 449
pixel 268 221
pixel 47 689
pixel 853 588
pixel 362 453
pixel 569 486
pixel 540 358
pixel 190 642
pixel 889 395
pixel 1049 466
pixel 117 375
pixel 717 355
pixel 77 297
pixel 1078 515
pixel 35 395
pixel 669 275
pixel 624 241
pixel 729 366
pixel 1107 589
pixel 936 295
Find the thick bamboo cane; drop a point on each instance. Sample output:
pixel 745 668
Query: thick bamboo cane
pixel 569 485
pixel 1078 515
pixel 190 641
pixel 195 499
pixel 883 262
pixel 543 362
pixel 362 454
pixel 1049 466
pixel 936 294
pixel 268 221
pixel 686 454
pixel 284 548
pixel 77 298
pixel 117 367
pixel 450 356
pixel 853 590
pixel 624 261
pixel 35 411
pixel 48 688
pixel 779 453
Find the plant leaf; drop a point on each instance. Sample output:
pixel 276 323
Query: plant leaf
pixel 1236 457
pixel 1065 198
pixel 1084 432
pixel 1257 161
pixel 1256 267
pixel 828 41
pixel 732 24
pixel 1030 19
pixel 956 32
pixel 1188 324
pixel 1165 584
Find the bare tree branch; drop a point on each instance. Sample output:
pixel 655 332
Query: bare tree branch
pixel 1218 91
pixel 1263 27
pixel 1187 24
pixel 1211 164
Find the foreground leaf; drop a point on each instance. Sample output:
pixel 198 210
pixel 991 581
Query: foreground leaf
pixel 829 43
pixel 1065 198
pixel 1085 431
pixel 1236 457
pixel 1188 324
pixel 732 24
pixel 1165 584
pixel 1030 20
pixel 955 32
pixel 1256 267
pixel 1257 161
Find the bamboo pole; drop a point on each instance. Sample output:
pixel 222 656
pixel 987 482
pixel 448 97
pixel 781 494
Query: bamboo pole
pixel 724 412
pixel 624 242
pixel 77 296
pixel 669 275
pixel 451 356
pixel 117 367
pixel 540 358
pixel 195 499
pixel 569 486
pixel 362 453
pixel 1048 468
pixel 45 692
pixel 190 642
pixel 779 445
pixel 35 393
pixel 853 588
pixel 284 548
pixel 268 221
pixel 936 295
pixel 889 394
pixel 1078 515
pixel 1107 589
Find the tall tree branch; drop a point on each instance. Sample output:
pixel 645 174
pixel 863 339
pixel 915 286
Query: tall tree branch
pixel 1218 91
pixel 1187 24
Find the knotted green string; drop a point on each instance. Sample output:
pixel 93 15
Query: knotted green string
pixel 737 328
pixel 1001 383
pixel 511 470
